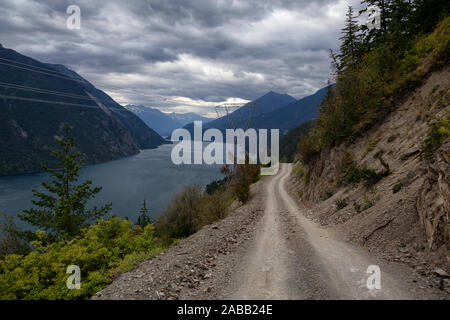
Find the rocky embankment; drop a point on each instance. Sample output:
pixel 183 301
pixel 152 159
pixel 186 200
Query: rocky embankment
pixel 404 216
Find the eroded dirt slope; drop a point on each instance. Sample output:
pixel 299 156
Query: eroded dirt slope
pixel 404 217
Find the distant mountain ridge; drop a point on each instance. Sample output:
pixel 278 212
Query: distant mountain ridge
pixel 102 128
pixel 185 118
pixel 293 114
pixel 271 111
pixel 164 123
pixel 269 102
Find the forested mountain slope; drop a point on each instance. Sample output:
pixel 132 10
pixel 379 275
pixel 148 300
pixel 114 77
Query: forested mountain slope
pixel 37 98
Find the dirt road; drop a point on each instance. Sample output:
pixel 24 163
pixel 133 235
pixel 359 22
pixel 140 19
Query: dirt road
pixel 267 249
pixel 293 258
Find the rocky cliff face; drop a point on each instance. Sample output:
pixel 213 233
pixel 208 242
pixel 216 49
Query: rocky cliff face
pixel 433 201
pixel 401 208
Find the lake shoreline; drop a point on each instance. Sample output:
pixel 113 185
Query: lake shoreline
pixel 125 182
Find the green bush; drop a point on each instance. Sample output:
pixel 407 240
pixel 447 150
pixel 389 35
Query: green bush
pixel 193 208
pixel 217 185
pixel 367 202
pixel 391 138
pixel 190 210
pixel 181 217
pixel 397 188
pixel 102 251
pixel 308 149
pixel 438 132
pixel 355 174
pixel 357 207
pixel 245 175
pixel 341 203
pixel 372 144
pixel 299 171
pixel 435 88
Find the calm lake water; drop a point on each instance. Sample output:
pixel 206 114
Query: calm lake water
pixel 149 175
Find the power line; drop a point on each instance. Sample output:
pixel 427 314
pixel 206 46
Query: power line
pixel 57 74
pixel 82 81
pixel 38 90
pixel 31 89
pixel 64 76
pixel 29 65
pixel 49 101
pixel 49 70
pixel 46 73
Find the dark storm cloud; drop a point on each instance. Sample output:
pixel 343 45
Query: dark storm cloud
pixel 183 54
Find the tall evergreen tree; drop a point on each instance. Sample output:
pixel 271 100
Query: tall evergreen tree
pixel 11 241
pixel 335 64
pixel 398 23
pixel 329 95
pixel 350 41
pixel 143 219
pixel 62 211
pixel 426 14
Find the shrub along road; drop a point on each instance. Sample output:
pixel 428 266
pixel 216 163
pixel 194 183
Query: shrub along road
pixel 267 249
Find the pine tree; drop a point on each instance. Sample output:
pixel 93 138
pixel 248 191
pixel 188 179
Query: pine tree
pixel 349 50
pixel 143 219
pixel 371 37
pixel 403 19
pixel 400 20
pixel 396 15
pixel 426 14
pixel 335 65
pixel 62 211
pixel 11 241
pixel 329 95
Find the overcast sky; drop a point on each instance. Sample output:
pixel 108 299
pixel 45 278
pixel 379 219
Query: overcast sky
pixel 183 55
